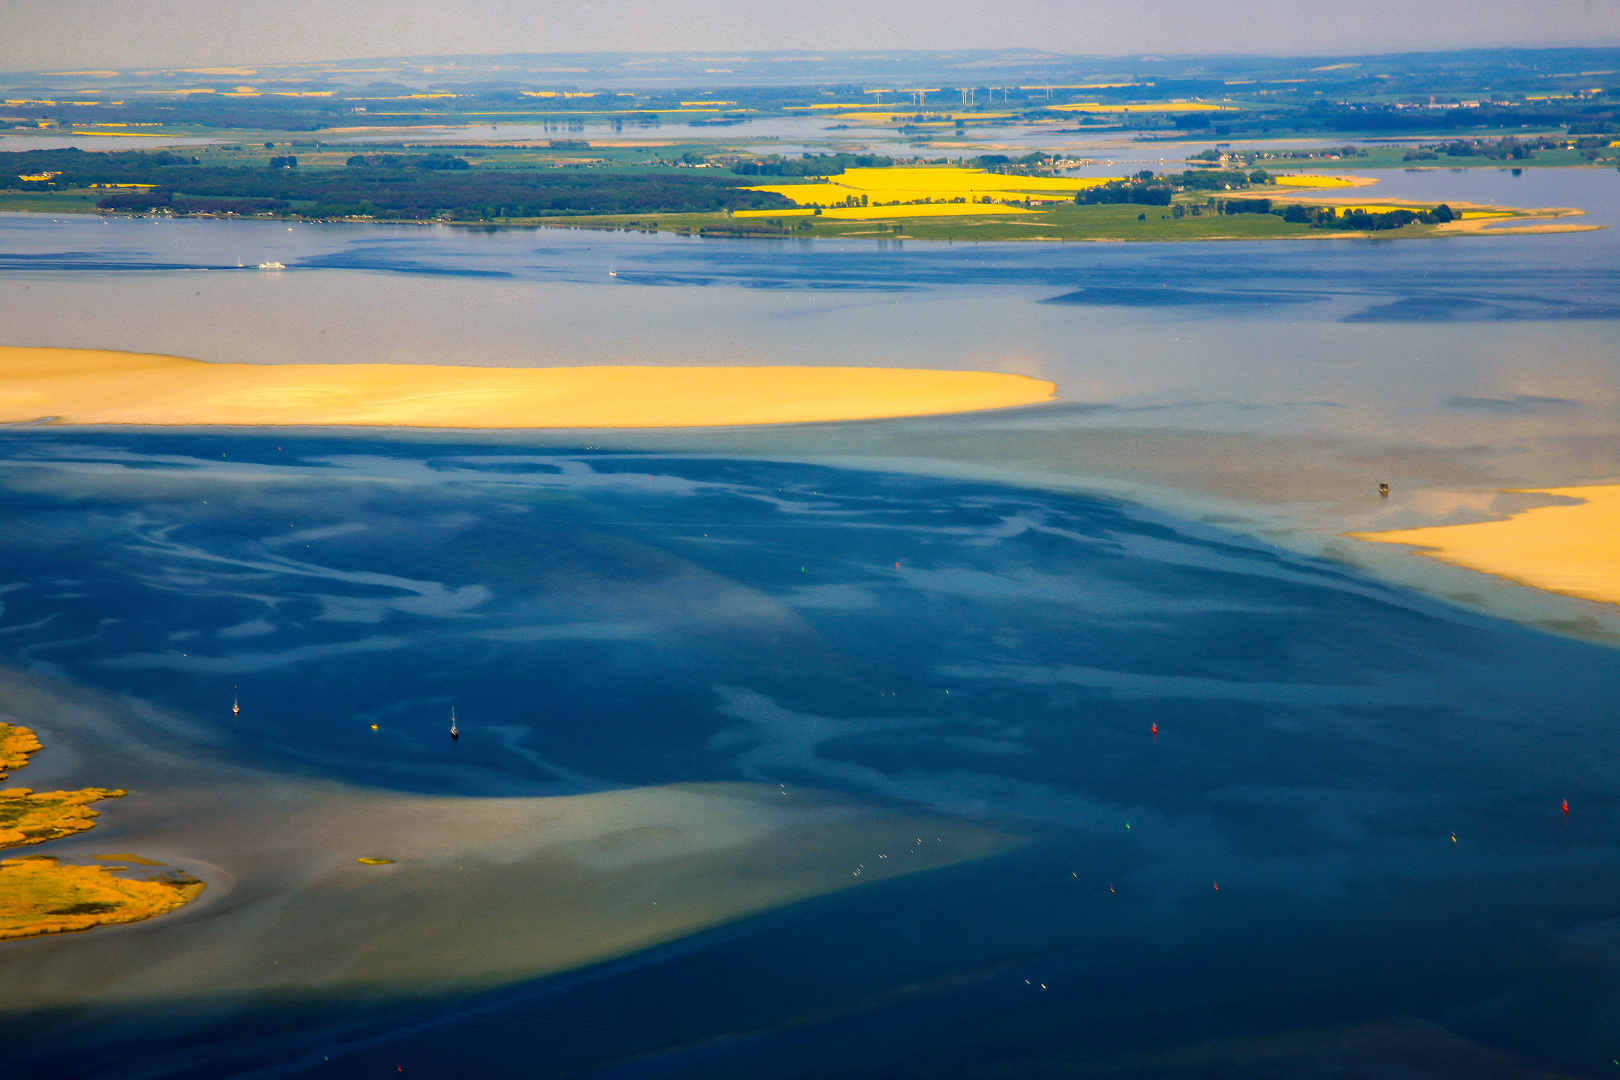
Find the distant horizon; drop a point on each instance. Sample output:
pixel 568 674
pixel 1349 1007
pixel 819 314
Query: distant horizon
pixel 876 53
pixel 973 67
pixel 166 34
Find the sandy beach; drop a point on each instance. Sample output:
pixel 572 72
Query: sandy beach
pixel 1572 549
pixel 92 386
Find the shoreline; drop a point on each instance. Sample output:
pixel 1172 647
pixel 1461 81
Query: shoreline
pixel 723 226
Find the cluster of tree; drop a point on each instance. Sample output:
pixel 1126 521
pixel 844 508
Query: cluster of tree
pixel 1001 163
pixel 1341 116
pixel 1351 220
pixel 404 193
pixel 747 229
pixel 1502 149
pixel 401 161
pixel 1141 189
pixel 287 162
pixel 141 202
pixel 78 168
pixel 1146 189
pixel 1215 179
pixel 811 165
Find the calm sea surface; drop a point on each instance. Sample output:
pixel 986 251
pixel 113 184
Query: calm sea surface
pixel 1343 853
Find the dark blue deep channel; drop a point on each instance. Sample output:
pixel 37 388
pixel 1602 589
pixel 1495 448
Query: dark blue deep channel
pixel 970 649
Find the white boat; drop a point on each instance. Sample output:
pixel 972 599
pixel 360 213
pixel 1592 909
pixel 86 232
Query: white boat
pixel 454 734
pixel 236 705
pixel 272 266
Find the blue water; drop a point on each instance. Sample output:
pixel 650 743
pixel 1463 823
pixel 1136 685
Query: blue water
pixel 603 617
pixel 1372 779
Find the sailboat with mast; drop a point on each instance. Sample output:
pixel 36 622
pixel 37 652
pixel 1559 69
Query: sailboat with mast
pixel 454 734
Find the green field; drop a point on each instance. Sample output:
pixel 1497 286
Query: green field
pixel 71 201
pixel 1064 223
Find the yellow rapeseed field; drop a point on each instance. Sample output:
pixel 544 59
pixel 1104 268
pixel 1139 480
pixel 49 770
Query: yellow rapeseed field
pixel 1311 181
pixel 1156 107
pixel 949 209
pixel 891 116
pixel 923 185
pixel 1378 208
pixel 863 213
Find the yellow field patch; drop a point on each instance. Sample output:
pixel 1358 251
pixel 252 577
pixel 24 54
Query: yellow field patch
pixel 1381 208
pixel 804 212
pixel 865 213
pixel 923 185
pixel 1156 107
pixel 1311 181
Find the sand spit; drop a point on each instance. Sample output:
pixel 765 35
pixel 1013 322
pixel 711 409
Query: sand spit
pixel 89 386
pixel 480 892
pixel 38 895
pixel 1572 549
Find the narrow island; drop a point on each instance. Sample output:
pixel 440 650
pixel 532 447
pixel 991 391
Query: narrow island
pixel 88 386
pixel 1571 549
pixel 712 192
pixel 39 895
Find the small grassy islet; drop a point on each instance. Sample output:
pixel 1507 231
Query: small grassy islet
pixel 39 895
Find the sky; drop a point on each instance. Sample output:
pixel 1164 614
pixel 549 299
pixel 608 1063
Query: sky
pixel 117 34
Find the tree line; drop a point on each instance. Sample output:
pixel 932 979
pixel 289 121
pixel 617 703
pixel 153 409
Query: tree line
pixel 402 190
pixel 1146 189
pixel 811 165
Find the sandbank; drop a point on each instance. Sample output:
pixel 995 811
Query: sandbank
pixel 90 386
pixel 479 892
pixel 1573 549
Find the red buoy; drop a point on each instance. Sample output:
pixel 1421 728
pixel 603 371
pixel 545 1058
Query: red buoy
pixel 1566 808
pixel 1155 731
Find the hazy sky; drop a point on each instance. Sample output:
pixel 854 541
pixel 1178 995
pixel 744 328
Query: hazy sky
pixel 57 34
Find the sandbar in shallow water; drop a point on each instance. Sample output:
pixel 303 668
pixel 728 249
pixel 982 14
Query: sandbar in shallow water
pixel 91 386
pixel 1570 549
